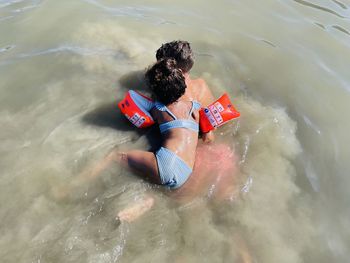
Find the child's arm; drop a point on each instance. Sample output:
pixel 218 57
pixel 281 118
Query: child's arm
pixel 206 98
pixel 208 137
pixel 205 95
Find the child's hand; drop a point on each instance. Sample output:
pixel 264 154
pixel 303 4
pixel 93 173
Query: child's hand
pixel 208 137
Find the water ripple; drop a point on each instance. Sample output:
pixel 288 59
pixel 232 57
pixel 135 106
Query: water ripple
pixel 6 18
pixel 6 3
pixel 25 8
pixel 18 6
pixel 311 124
pixel 341 29
pixel 72 49
pixel 6 48
pixel 124 11
pixel 340 4
pixel 82 51
pixel 256 38
pixel 320 25
pixel 311 175
pixel 268 42
pixel 334 73
pixel 305 3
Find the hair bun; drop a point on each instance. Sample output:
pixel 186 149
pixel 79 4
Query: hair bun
pixel 166 80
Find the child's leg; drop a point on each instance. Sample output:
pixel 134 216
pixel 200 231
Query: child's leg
pixel 243 251
pixel 218 178
pixel 87 175
pixel 226 185
pixel 144 163
pixel 141 161
pixel 134 211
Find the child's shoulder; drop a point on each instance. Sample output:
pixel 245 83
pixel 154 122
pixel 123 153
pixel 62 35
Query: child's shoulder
pixel 202 92
pixel 199 85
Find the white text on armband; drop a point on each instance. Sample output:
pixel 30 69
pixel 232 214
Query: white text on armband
pixel 210 117
pixel 137 120
pixel 219 106
pixel 216 112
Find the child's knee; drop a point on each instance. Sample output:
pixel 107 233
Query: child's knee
pixel 116 156
pixel 123 158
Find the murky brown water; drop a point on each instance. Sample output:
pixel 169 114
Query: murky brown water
pixel 64 64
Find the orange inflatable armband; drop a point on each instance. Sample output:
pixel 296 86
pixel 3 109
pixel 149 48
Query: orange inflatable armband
pixel 136 108
pixel 217 114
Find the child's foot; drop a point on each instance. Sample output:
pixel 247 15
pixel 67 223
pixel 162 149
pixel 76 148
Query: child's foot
pixel 133 212
pixel 243 251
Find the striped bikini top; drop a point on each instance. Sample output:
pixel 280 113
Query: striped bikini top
pixel 178 123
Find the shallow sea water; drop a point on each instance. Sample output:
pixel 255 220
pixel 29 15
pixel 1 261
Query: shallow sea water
pixel 63 66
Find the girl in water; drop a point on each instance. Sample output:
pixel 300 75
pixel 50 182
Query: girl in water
pixel 197 89
pixel 178 118
pixel 176 112
pixel 208 172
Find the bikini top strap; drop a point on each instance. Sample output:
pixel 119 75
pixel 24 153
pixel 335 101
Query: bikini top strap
pixel 195 106
pixel 161 107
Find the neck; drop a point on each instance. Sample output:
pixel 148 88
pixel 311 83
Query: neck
pixel 188 93
pixel 187 78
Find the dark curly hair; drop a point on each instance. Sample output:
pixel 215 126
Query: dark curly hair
pixel 180 51
pixel 166 81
